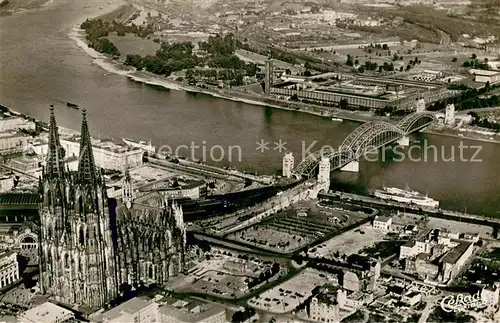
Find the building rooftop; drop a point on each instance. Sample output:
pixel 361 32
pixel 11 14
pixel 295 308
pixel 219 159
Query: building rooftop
pixel 105 144
pixel 12 134
pixel 384 219
pixel 327 297
pixel 23 199
pixel 46 312
pixel 199 312
pixel 129 307
pixel 484 72
pixel 453 255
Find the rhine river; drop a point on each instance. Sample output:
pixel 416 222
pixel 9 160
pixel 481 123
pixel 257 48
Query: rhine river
pixel 40 64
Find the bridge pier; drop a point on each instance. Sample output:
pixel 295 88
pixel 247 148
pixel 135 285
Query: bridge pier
pixel 404 141
pixel 352 167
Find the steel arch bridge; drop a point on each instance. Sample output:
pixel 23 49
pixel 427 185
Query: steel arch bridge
pixel 365 138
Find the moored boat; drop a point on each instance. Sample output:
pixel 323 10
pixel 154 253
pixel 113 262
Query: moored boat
pixel 72 105
pixel 406 196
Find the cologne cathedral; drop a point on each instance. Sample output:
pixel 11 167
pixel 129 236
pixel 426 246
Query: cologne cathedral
pixel 90 245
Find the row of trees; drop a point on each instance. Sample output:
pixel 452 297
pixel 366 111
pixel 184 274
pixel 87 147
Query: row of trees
pixel 470 98
pixel 179 56
pixel 97 30
pixel 484 122
pixel 369 65
pixel 473 62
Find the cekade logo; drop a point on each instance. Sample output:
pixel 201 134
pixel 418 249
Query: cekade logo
pixel 461 302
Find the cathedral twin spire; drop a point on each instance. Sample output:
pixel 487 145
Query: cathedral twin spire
pixel 87 171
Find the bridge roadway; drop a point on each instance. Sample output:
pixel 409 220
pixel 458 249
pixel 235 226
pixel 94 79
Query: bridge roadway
pixel 366 138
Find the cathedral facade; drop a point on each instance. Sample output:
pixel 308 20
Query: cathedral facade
pixel 89 244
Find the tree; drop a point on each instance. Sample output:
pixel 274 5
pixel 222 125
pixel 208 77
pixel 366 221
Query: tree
pixel 454 59
pixel 361 69
pixel 307 73
pixel 474 56
pixel 349 61
pixel 343 104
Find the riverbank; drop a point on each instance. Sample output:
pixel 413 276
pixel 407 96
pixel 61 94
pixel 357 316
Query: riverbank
pixel 117 67
pixel 462 135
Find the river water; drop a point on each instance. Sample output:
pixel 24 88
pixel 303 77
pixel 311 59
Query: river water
pixel 41 64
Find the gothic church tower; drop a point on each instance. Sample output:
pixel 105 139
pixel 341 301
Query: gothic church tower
pixel 77 261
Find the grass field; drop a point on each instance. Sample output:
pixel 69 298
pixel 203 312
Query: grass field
pixel 131 44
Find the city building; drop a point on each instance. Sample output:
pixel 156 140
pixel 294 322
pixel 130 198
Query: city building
pixel 350 281
pixel 137 310
pixel 454 260
pixel 411 298
pixel 6 183
pixel 493 48
pixel 9 123
pixel 178 189
pixel 107 154
pixel 18 207
pixel 25 163
pixel 413 248
pixel 19 236
pixel 85 234
pixel 486 76
pixel 46 313
pixel 432 75
pixel 439 257
pixel 490 294
pixel 449 116
pixel 324 307
pixel 179 311
pixel 12 142
pixel 382 223
pixel 288 165
pixel 9 268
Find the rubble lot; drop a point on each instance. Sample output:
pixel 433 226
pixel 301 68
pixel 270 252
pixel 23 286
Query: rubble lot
pixel 290 294
pixel 462 227
pixel 348 243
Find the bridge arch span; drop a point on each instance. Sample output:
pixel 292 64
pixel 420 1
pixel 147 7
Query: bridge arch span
pixel 415 121
pixel 367 137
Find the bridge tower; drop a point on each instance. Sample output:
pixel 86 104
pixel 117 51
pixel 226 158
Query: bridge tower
pixel 324 173
pixel 288 164
pixel 449 116
pixel 420 105
pixel 268 78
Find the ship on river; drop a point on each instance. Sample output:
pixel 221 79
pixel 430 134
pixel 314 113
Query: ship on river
pixel 406 196
pixel 146 146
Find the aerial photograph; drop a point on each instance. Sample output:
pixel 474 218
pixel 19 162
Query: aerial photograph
pixel 211 161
